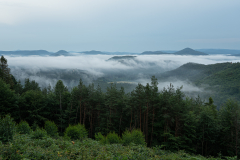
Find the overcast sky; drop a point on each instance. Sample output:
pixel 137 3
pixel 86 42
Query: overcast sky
pixel 119 25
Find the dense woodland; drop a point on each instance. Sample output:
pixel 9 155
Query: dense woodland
pixel 166 117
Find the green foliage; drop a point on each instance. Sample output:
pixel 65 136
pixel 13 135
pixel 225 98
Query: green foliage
pixel 101 138
pixel 23 128
pixel 112 138
pixel 8 100
pixel 23 147
pixel 7 128
pixel 33 107
pixel 127 138
pixel 138 137
pixel 76 132
pixel 5 72
pixel 39 133
pixel 135 136
pixel 229 119
pixel 51 128
pixel 31 85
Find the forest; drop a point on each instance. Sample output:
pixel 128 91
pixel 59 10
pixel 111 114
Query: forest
pixel 167 118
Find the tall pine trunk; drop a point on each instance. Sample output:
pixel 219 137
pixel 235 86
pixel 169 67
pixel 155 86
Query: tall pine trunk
pixel 152 126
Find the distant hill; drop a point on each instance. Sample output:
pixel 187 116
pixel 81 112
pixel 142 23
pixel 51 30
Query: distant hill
pixel 186 51
pixel 126 60
pixel 219 51
pixel 93 52
pixel 189 51
pixel 60 53
pixel 116 58
pixel 153 53
pixel 26 52
pixel 222 79
pixel 120 53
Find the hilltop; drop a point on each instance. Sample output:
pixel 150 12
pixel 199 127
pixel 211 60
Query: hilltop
pixel 60 53
pixel 189 51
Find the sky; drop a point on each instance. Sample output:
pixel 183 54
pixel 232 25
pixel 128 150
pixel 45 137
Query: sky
pixel 119 25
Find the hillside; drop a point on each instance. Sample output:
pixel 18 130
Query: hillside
pixel 222 79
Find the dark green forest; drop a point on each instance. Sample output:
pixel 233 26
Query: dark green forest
pixel 167 117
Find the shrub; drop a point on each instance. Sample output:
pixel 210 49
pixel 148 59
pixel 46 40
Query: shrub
pixel 34 126
pixel 127 138
pixel 51 128
pixel 39 133
pixel 23 128
pixel 7 128
pixel 135 136
pixel 112 137
pixel 76 132
pixel 102 139
pixel 138 137
pixel 99 136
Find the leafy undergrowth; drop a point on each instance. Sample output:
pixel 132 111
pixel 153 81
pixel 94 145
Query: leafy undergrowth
pixel 25 147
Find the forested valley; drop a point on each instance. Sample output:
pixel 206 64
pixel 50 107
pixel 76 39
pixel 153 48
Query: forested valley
pixel 167 119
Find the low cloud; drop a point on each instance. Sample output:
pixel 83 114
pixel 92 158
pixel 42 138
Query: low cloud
pixel 47 70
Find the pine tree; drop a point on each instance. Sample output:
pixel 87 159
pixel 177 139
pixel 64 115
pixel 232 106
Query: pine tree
pixel 8 101
pixel 59 92
pixel 5 72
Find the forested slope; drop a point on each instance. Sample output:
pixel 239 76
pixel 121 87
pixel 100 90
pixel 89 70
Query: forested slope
pixel 221 78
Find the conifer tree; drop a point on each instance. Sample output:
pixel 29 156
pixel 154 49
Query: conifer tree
pixel 8 101
pixel 59 92
pixel 5 71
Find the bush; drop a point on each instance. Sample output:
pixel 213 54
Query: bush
pixel 102 139
pixel 51 128
pixel 127 138
pixel 39 133
pixel 7 128
pixel 113 138
pixel 34 126
pixel 135 136
pixel 76 132
pixel 23 128
pixel 99 136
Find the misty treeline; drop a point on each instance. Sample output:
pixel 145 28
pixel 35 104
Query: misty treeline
pixel 166 117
